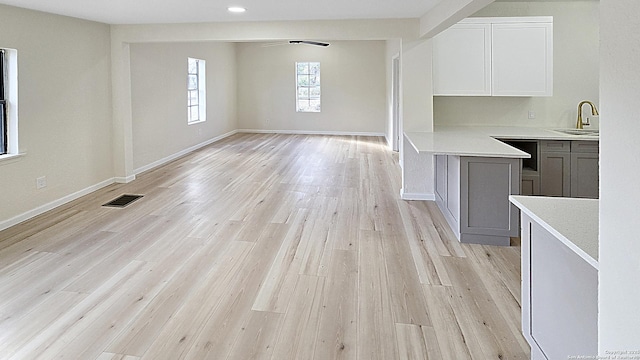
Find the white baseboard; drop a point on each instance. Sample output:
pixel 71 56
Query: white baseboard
pixel 54 204
pixel 311 132
pixel 124 180
pixel 182 153
pixel 416 196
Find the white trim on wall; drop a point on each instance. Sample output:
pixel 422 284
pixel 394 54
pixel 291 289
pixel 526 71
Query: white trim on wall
pixel 182 153
pixel 52 205
pixel 124 180
pixel 416 196
pixel 312 132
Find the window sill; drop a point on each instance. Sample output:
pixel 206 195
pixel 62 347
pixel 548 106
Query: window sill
pixel 195 122
pixel 10 158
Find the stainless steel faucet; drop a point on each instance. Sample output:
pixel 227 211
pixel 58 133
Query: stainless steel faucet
pixel 594 111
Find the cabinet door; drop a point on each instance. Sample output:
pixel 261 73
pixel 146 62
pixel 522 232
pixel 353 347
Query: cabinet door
pixel 530 185
pixel 486 215
pixel 462 60
pixel 585 178
pixel 522 59
pixel 555 170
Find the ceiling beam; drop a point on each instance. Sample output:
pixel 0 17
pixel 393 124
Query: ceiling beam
pixel 447 13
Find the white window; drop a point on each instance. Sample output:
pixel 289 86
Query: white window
pixel 196 91
pixel 308 87
pixel 8 102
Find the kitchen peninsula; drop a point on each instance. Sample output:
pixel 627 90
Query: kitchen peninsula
pixel 475 173
pixel 559 275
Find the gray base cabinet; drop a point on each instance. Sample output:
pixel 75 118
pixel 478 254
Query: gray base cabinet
pixel 585 177
pixel 530 184
pixel 473 194
pixel 568 168
pixel 559 297
pixel 555 168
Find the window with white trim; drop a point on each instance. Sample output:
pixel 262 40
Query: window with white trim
pixel 3 107
pixel 196 91
pixel 8 102
pixel 307 86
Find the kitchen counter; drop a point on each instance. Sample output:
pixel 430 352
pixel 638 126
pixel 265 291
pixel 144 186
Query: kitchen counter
pixel 481 140
pixel 474 171
pixel 573 221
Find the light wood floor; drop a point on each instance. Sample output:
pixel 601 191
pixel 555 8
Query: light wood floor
pixel 257 247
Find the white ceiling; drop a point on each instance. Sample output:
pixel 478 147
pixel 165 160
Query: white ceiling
pixel 186 11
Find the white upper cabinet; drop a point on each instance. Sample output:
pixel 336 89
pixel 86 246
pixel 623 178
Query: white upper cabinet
pixel 495 57
pixel 462 60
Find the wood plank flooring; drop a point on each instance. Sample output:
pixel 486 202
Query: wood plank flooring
pixel 257 247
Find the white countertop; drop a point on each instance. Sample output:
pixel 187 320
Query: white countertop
pixel 481 140
pixel 573 221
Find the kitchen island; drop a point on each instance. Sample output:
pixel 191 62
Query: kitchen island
pixel 474 174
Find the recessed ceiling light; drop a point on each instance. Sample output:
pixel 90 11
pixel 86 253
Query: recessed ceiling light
pixel 236 9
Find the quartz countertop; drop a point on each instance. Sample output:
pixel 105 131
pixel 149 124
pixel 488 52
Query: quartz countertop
pixel 572 221
pixel 481 140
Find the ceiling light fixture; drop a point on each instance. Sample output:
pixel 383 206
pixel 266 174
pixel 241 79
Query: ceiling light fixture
pixel 236 9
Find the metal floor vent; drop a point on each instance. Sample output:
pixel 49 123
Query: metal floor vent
pixel 123 201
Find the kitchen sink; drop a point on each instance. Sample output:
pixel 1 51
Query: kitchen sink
pixel 587 132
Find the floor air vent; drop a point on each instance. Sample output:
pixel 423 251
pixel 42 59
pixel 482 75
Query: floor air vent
pixel 123 201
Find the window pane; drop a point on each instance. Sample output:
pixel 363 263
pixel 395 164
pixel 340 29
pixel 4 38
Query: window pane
pixel 303 68
pixel 314 80
pixel 193 97
pixel 193 66
pixel 314 68
pixel 314 105
pixel 303 80
pixel 314 91
pixel 303 105
pixel 303 92
pixel 2 94
pixel 3 129
pixel 194 113
pixel 192 82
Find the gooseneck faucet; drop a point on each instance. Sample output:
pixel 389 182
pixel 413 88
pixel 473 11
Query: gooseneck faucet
pixel 594 111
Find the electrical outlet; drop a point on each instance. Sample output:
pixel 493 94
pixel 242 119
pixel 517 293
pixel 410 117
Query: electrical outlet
pixel 532 114
pixel 41 182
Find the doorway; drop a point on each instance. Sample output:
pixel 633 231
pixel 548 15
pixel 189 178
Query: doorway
pixel 395 103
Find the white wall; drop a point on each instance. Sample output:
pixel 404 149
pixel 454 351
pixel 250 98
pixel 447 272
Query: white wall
pixel 353 85
pixel 619 311
pixel 159 98
pixel 64 109
pixel 576 68
pixel 417 115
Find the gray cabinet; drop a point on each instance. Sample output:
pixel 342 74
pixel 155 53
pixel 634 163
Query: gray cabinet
pixel 530 175
pixel 530 184
pixel 473 195
pixel 555 168
pixel 559 296
pixel 585 178
pixel 567 168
